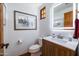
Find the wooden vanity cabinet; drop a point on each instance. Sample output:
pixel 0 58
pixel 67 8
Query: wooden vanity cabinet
pixel 52 49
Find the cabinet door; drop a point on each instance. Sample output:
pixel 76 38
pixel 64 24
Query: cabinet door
pixel 68 19
pixel 46 48
pixel 52 49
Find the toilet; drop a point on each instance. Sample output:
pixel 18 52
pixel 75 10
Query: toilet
pixel 35 49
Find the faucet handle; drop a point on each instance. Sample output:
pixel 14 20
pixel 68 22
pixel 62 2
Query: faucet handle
pixel 70 39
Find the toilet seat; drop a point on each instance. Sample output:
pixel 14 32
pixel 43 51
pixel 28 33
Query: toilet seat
pixel 34 48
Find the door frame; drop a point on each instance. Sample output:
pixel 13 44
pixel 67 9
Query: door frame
pixel 1 30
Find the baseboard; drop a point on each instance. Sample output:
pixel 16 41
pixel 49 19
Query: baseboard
pixel 25 54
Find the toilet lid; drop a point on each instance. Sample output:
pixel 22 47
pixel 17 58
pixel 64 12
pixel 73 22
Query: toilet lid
pixel 36 46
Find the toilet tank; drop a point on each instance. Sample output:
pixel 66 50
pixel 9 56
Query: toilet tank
pixel 40 42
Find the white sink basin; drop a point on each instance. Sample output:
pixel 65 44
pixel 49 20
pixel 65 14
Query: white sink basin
pixel 57 39
pixel 65 40
pixel 61 40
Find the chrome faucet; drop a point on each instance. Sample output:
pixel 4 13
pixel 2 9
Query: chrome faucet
pixel 60 36
pixel 53 35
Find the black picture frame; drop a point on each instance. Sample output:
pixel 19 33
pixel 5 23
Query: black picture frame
pixel 29 22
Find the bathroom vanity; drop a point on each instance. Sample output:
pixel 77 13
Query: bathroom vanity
pixel 57 47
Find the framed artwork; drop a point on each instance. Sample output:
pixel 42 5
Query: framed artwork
pixel 43 13
pixel 24 21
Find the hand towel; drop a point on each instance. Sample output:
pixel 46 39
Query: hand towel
pixel 76 33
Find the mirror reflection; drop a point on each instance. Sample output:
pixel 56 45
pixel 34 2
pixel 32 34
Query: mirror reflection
pixel 63 15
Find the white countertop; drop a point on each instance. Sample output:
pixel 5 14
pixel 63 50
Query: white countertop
pixel 68 44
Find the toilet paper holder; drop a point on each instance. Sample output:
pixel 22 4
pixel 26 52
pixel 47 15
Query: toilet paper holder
pixel 19 41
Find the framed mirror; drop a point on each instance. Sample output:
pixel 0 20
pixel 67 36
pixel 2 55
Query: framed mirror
pixel 63 16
